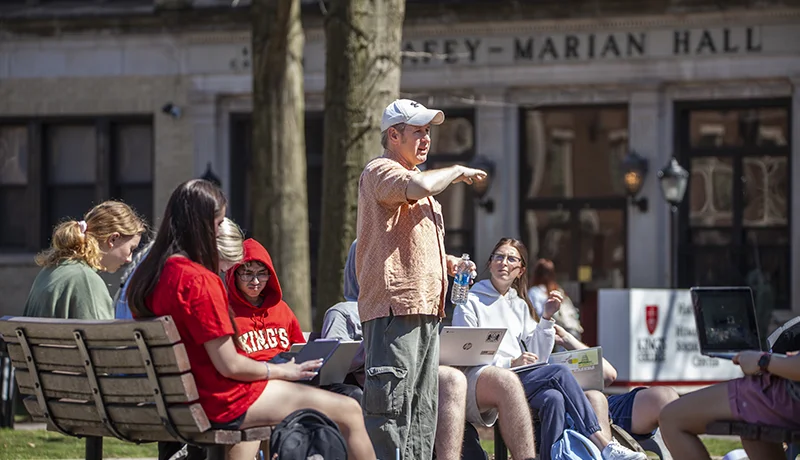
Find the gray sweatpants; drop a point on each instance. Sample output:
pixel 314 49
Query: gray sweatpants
pixel 402 385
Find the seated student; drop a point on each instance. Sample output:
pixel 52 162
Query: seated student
pixel 501 301
pixel 342 322
pixel 267 326
pixel 229 246
pixel 768 394
pixel 635 411
pixel 68 285
pixel 498 390
pixel 180 278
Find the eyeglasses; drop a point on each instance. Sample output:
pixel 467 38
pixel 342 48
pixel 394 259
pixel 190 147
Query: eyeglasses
pixel 250 276
pixel 499 258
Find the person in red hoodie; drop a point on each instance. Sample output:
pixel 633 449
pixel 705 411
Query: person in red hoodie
pixel 266 325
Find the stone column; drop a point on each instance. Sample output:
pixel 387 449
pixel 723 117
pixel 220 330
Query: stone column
pixel 496 139
pixel 649 232
pixel 203 108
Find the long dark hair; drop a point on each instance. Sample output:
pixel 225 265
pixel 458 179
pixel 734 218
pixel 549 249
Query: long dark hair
pixel 544 273
pixel 520 284
pixel 187 227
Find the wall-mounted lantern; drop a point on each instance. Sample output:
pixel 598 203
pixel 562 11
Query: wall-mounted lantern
pixel 634 172
pixel 673 179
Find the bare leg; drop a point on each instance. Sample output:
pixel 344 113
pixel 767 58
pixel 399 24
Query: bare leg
pixel 452 413
pixel 281 398
pixel 764 450
pixel 685 418
pixel 502 389
pixel 599 403
pixel 647 405
pixel 243 451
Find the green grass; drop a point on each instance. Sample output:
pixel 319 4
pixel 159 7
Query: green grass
pixel 40 444
pixel 716 447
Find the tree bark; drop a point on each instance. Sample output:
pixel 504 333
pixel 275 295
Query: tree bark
pixel 278 174
pixel 363 40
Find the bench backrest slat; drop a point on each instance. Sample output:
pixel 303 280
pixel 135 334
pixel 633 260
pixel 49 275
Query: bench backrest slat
pixel 189 418
pixel 178 388
pixel 169 359
pixel 148 433
pixel 108 333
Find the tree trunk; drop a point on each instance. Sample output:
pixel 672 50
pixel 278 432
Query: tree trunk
pixel 363 40
pixel 278 174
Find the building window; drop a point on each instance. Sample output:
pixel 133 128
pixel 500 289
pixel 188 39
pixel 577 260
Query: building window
pixel 573 208
pixel 52 171
pixel 735 220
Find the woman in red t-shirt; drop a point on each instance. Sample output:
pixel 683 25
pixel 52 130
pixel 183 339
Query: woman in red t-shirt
pixel 179 278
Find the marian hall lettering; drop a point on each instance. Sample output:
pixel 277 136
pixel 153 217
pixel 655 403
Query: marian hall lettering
pixel 562 48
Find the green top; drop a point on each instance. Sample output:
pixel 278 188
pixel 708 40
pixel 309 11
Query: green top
pixel 71 289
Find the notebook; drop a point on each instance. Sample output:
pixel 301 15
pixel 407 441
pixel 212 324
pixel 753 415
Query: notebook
pixel 469 346
pixel 586 366
pixel 726 321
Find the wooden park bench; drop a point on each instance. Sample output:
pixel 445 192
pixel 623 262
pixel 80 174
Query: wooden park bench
pixel 127 379
pixel 751 431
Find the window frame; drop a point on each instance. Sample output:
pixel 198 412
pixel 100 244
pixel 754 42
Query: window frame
pixel 38 229
pixel 573 204
pixel 738 231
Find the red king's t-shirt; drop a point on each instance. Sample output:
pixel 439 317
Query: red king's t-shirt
pixel 196 299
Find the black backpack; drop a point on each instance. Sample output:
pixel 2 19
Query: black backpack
pixel 305 433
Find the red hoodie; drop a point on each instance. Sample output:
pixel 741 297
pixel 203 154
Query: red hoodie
pixel 267 329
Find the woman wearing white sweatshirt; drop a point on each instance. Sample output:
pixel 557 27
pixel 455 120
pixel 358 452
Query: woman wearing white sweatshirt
pixel 551 390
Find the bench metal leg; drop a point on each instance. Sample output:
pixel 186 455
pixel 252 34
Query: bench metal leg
pixel 500 449
pixel 94 448
pixel 656 445
pixel 215 452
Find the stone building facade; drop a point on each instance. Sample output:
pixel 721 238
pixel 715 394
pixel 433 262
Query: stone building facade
pixel 555 95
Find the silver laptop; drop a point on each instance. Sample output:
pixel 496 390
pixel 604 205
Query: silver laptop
pixel 469 346
pixel 586 366
pixel 726 321
pixel 337 366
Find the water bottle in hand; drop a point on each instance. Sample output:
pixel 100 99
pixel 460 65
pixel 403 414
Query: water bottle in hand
pixel 461 283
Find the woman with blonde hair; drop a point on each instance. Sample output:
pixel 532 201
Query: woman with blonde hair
pixel 68 286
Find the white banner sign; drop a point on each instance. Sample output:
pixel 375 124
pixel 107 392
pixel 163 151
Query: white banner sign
pixel 649 335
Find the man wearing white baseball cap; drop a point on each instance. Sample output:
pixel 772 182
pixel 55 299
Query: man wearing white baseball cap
pixel 402 269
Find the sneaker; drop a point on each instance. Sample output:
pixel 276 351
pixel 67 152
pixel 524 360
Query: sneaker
pixel 615 451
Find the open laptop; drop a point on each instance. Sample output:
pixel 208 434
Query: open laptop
pixel 337 365
pixel 469 346
pixel 726 321
pixel 586 366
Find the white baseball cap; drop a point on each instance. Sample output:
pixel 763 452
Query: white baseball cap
pixel 411 113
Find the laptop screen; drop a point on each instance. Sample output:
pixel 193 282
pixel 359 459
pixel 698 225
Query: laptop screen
pixel 726 319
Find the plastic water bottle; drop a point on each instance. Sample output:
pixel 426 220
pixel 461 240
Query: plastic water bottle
pixel 461 283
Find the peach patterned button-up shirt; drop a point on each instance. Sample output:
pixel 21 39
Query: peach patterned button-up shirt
pixel 400 257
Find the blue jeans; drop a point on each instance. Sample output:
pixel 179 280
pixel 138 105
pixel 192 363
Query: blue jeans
pixel 553 392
